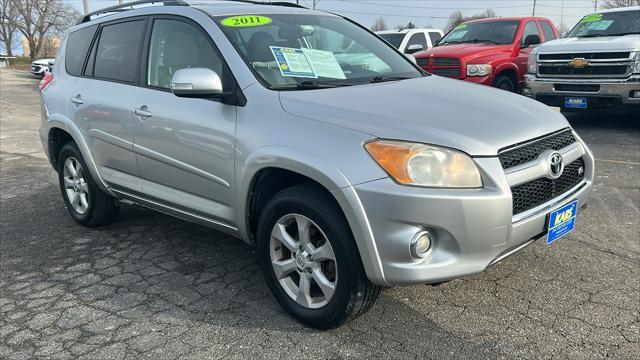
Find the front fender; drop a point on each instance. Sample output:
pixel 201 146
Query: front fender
pixel 331 178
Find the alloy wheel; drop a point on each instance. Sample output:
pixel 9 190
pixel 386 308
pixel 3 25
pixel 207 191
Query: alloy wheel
pixel 303 261
pixel 75 185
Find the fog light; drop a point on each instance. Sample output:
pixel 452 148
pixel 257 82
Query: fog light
pixel 635 94
pixel 421 244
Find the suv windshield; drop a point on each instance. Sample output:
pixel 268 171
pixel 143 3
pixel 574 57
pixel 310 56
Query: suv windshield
pixel 298 52
pixel 393 39
pixel 494 32
pixel 608 24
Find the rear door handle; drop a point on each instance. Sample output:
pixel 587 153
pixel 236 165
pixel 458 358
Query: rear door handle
pixel 142 111
pixel 77 99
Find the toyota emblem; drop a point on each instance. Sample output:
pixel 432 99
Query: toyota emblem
pixel 555 165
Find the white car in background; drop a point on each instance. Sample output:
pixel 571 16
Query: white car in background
pixel 410 41
pixel 42 67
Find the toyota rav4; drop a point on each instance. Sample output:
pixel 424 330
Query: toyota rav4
pixel 251 119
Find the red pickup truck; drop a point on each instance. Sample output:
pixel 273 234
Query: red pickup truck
pixel 491 52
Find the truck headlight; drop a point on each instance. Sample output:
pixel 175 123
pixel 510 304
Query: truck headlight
pixel 479 69
pixel 418 164
pixel 532 61
pixel 636 63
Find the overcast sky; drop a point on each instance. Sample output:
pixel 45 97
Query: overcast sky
pixel 428 12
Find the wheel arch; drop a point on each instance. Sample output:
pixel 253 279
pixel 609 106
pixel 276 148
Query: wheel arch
pixel 510 70
pixel 270 170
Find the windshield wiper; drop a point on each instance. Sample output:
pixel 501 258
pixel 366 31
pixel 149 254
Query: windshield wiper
pixel 309 85
pixel 379 79
pixel 603 35
pixel 448 42
pixel 483 40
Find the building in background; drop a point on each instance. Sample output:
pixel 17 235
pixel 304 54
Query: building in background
pixel 49 49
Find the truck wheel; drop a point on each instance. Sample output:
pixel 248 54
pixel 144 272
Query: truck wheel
pixel 86 203
pixel 504 82
pixel 310 260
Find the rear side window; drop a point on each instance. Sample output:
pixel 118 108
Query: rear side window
pixel 77 46
pixel 117 55
pixel 547 30
pixel 435 37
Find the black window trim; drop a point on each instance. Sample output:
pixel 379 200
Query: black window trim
pixel 96 43
pixel 87 52
pixel 236 99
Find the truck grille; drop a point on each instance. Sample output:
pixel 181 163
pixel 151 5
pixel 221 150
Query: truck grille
pixel 447 67
pixel 526 152
pixel 537 192
pixel 590 70
pixel 602 64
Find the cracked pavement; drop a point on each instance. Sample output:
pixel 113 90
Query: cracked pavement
pixel 151 286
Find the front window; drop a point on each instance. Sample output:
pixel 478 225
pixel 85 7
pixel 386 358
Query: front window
pixel 494 32
pixel 289 52
pixel 393 39
pixel 608 24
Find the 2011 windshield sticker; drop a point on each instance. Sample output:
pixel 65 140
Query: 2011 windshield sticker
pixel 293 62
pixel 246 21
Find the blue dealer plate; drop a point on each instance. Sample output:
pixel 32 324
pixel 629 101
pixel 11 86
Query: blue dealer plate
pixel 575 102
pixel 562 221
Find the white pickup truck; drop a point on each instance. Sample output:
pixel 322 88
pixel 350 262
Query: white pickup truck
pixel 410 41
pixel 595 66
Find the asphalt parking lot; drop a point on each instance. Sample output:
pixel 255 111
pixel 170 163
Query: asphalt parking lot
pixel 153 286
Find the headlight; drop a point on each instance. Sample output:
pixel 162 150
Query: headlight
pixel 425 165
pixel 532 66
pixel 636 64
pixel 479 70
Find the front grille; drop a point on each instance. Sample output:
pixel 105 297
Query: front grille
pixel 422 62
pixel 565 70
pixel 446 62
pixel 530 151
pixel 448 72
pixel 587 56
pixel 537 192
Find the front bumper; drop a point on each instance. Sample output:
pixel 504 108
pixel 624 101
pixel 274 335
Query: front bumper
pixel 473 228
pixel 602 93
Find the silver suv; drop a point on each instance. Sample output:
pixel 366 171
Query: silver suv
pixel 348 171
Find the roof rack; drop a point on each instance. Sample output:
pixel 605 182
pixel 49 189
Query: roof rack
pixel 129 6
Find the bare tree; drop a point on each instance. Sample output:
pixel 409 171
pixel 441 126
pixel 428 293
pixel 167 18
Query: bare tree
pixel 610 4
pixel 39 20
pixel 8 25
pixel 409 25
pixel 563 28
pixel 456 18
pixel 379 24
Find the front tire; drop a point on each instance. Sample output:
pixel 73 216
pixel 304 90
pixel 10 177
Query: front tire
pixel 86 203
pixel 309 258
pixel 505 83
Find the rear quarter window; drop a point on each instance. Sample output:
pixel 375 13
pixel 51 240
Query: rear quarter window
pixel 78 44
pixel 435 37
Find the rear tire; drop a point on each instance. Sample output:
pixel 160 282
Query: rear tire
pixel 504 82
pixel 86 203
pixel 342 290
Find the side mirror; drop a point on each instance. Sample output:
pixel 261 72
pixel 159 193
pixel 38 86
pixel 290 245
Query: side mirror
pixel 51 62
pixel 413 49
pixel 531 40
pixel 196 82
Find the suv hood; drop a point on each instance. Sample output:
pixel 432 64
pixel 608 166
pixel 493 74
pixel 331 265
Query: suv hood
pixel 595 44
pixel 464 50
pixel 476 119
pixel 42 62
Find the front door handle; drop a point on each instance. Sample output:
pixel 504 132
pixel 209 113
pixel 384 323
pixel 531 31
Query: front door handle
pixel 77 99
pixel 142 111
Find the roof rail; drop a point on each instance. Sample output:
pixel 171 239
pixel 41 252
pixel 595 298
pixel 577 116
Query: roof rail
pixel 129 6
pixel 275 3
